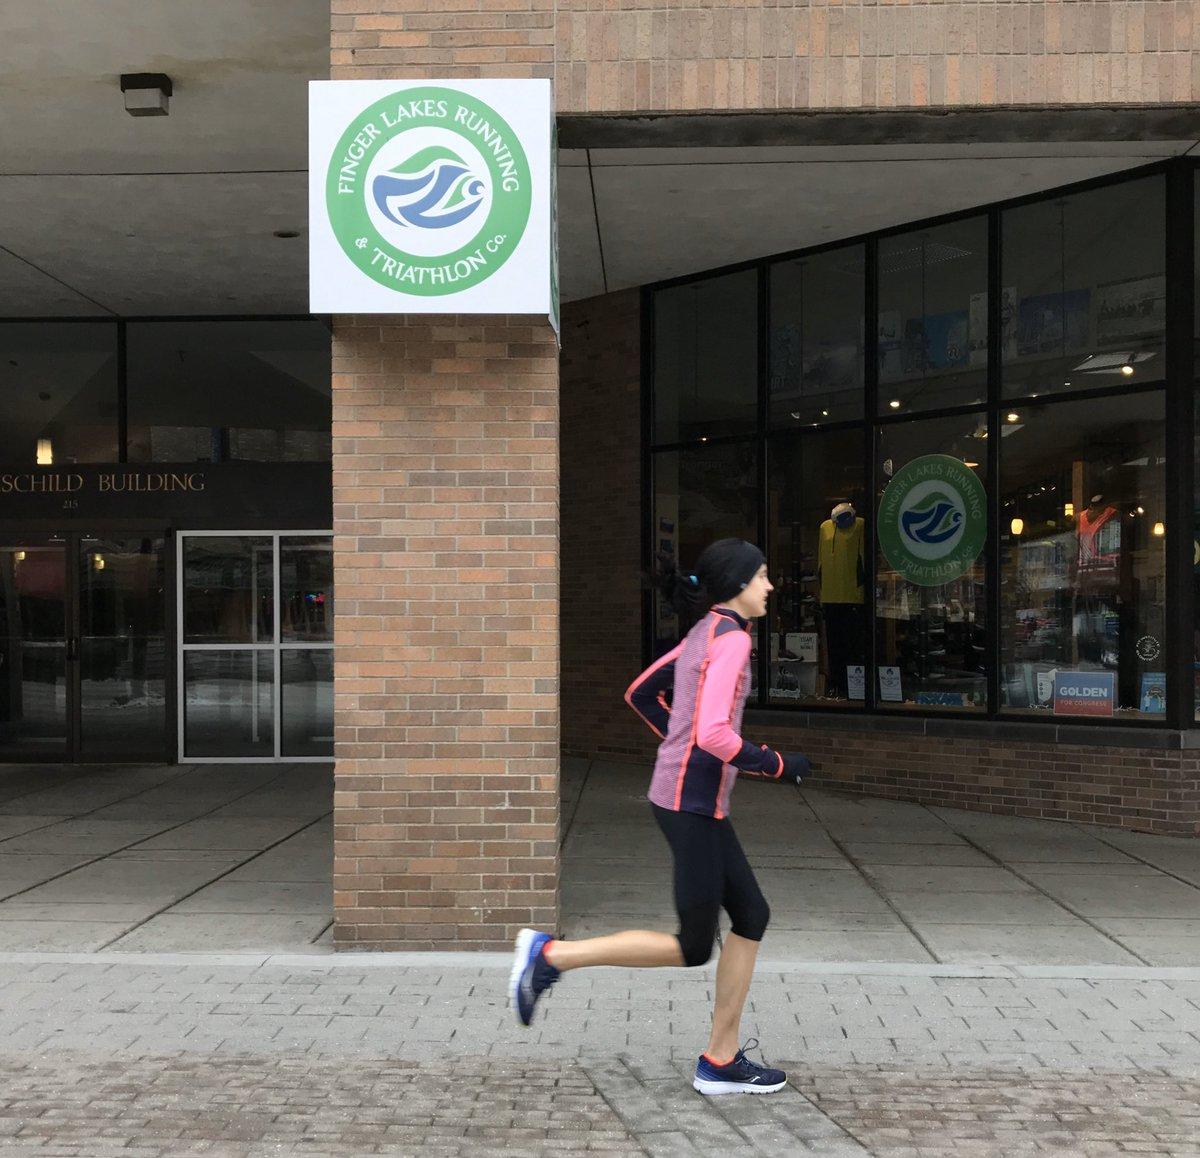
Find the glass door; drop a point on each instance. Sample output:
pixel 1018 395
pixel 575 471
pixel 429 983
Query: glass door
pixel 120 677
pixel 34 696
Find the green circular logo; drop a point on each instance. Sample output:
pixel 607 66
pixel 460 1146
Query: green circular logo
pixel 933 520
pixel 428 191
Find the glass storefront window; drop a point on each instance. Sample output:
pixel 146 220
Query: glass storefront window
pixel 700 495
pixel 306 588
pixel 307 701
pixel 33 649
pixel 228 589
pixel 1084 290
pixel 932 326
pixel 1083 565
pixel 817 616
pixel 706 358
pixel 816 338
pixel 228 707
pixel 930 590
pixel 59 384
pixel 255 391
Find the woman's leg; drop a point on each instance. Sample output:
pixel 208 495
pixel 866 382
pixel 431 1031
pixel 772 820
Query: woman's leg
pixel 749 913
pixel 699 884
pixel 639 948
pixel 734 971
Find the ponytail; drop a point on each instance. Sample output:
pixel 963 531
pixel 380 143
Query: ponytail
pixel 682 590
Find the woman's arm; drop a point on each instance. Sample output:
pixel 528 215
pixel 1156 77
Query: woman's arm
pixel 647 694
pixel 724 669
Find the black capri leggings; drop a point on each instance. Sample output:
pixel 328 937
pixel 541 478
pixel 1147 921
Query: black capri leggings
pixel 711 873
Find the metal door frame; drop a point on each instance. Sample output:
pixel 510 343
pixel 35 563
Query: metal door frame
pixel 274 649
pixel 74 664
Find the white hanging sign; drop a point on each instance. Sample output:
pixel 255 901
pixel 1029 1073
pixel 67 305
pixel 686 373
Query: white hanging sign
pixel 431 197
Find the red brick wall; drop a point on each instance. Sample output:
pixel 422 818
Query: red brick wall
pixel 445 474
pixel 1153 790
pixel 601 528
pixel 763 54
pixel 445 467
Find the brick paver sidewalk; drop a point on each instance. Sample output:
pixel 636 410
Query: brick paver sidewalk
pixel 155 1057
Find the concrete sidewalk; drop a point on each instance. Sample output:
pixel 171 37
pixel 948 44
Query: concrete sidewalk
pixel 186 857
pixel 853 878
pixel 239 858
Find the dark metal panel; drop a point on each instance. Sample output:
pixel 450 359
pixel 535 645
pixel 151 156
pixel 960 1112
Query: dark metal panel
pixel 992 546
pixel 1059 123
pixel 1180 446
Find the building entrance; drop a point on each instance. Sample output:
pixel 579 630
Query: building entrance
pixel 83 649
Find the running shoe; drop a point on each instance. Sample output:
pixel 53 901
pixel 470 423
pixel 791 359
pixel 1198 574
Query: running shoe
pixel 531 973
pixel 739 1076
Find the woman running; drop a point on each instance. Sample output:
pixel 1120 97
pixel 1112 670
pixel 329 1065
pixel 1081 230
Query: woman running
pixel 700 756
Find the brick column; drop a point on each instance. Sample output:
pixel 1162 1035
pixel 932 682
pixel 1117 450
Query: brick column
pixel 445 470
pixel 445 492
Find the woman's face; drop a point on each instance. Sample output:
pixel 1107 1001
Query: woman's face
pixel 751 601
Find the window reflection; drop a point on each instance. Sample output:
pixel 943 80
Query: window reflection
pixel 59 385
pixel 306 588
pixel 228 589
pixel 699 495
pixel 816 339
pixel 818 563
pixel 931 631
pixel 933 317
pixel 1082 537
pixel 706 358
pixel 255 391
pixel 1085 290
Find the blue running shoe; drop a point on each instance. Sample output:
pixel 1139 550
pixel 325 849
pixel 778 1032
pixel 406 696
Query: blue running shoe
pixel 740 1076
pixel 531 973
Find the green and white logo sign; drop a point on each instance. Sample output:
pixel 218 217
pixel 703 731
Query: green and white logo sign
pixel 430 197
pixel 933 520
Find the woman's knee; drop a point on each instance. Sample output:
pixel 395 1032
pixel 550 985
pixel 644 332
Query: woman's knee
pixel 697 932
pixel 752 919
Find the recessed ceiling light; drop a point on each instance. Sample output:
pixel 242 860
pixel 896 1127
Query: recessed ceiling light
pixel 895 404
pixel 1127 369
pixel 1013 416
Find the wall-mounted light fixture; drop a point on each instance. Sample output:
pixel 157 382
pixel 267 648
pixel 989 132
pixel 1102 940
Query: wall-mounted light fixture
pixel 1017 526
pixel 147 94
pixel 45 452
pixel 1069 510
pixel 1160 529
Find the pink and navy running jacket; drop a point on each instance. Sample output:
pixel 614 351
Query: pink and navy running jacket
pixel 702 751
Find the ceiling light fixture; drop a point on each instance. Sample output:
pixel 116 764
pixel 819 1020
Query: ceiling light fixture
pixel 147 94
pixel 1013 416
pixel 895 404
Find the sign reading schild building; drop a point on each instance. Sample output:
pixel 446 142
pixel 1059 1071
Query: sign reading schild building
pixel 431 197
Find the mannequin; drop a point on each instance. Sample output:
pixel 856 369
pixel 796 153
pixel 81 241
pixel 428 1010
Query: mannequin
pixel 841 576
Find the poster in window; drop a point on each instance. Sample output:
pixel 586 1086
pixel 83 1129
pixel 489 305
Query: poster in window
pixel 1052 323
pixel 946 340
pixel 1131 309
pixel 1154 692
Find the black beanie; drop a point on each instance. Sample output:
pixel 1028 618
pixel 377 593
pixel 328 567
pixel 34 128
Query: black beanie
pixel 726 567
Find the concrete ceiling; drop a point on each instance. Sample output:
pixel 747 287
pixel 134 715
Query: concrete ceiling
pixel 104 214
